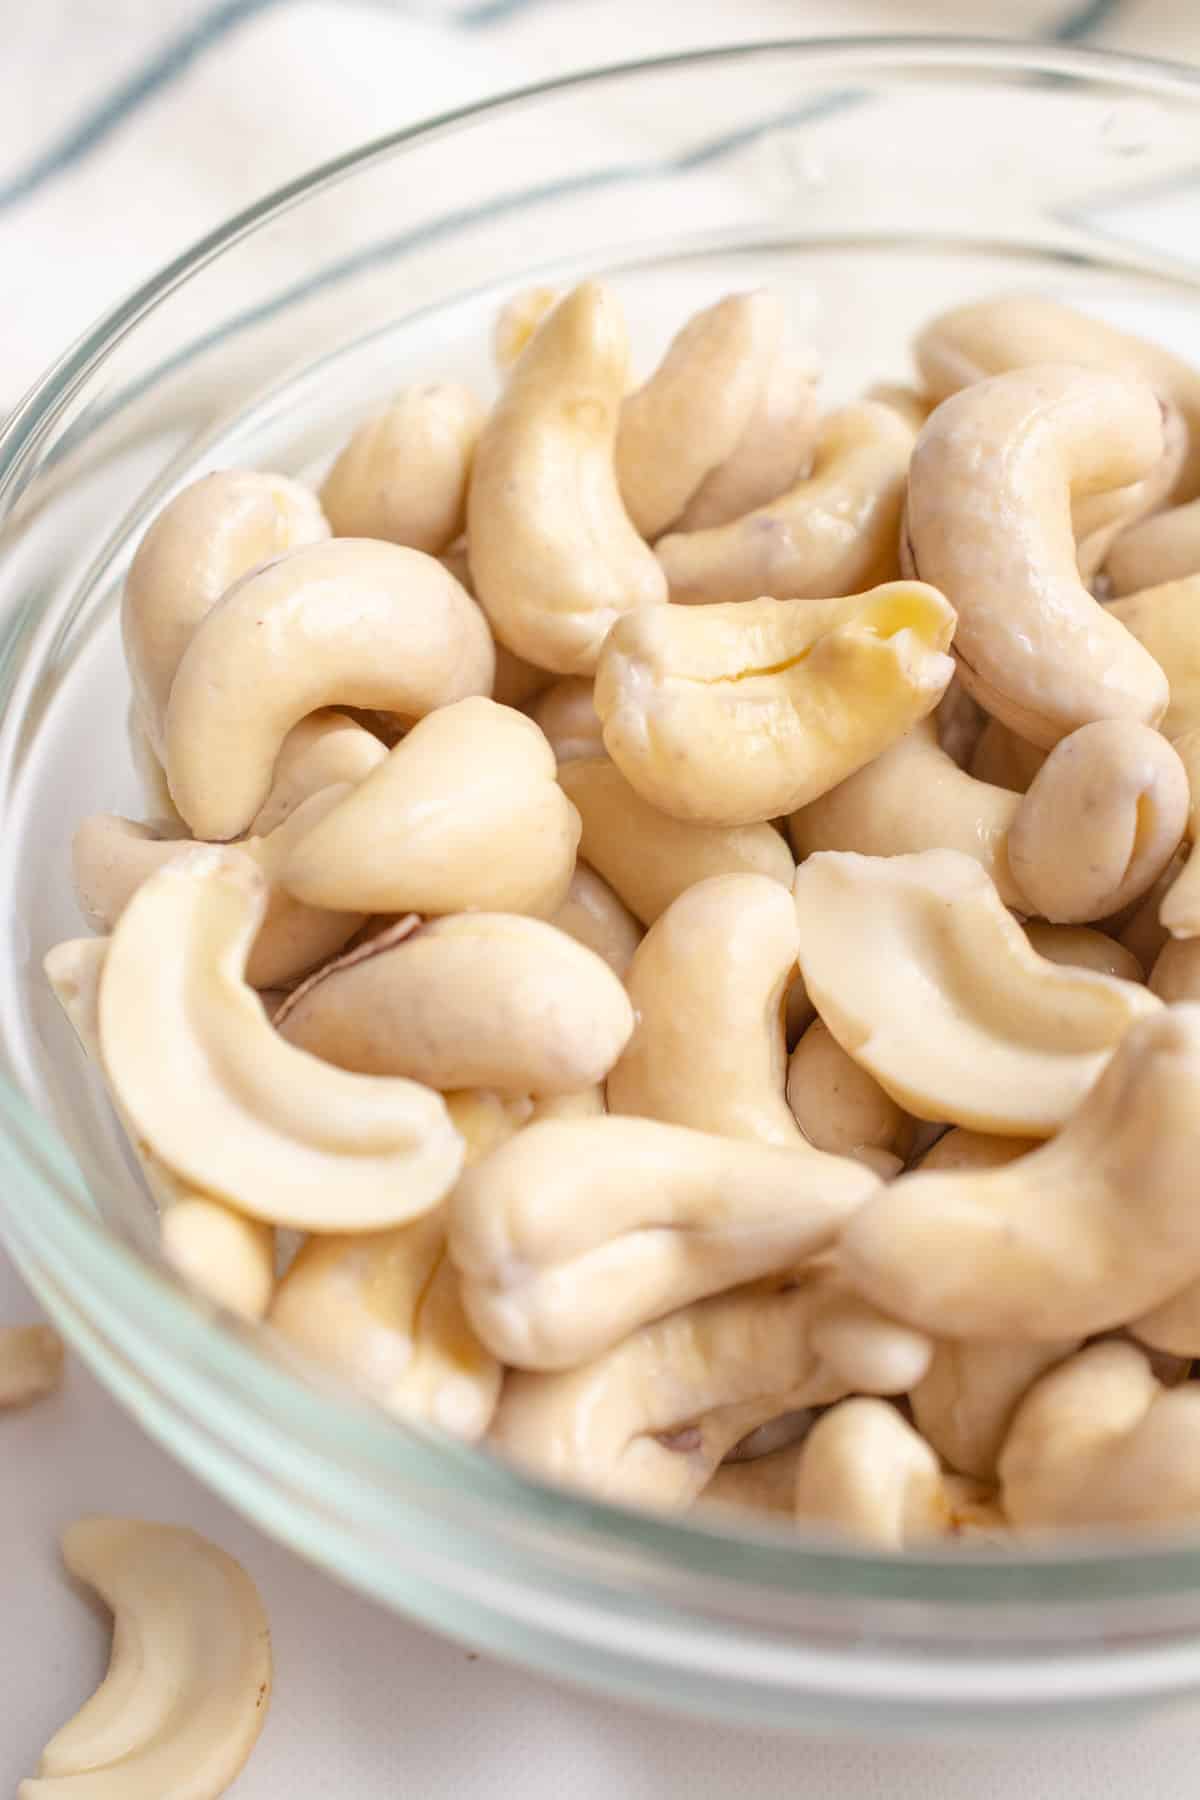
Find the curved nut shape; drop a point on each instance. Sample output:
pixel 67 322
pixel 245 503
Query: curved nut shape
pixel 1099 520
pixel 486 1000
pixel 962 1149
pixel 596 917
pixel 1103 817
pixel 1176 973
pixel 926 980
pixel 465 812
pixel 1164 621
pixel 554 557
pixel 964 1404
pixel 729 715
pixel 1157 551
pixel 774 452
pixel 403 475
pixel 31 1363
pixel 208 537
pixel 834 532
pixel 689 417
pixel 1092 1229
pixel 576 1232
pixel 867 1473
pixel 708 984
pixel 351 621
pixel 837 1105
pixel 567 716
pixel 222 1100
pixel 518 320
pixel 911 403
pixel 322 751
pixel 1079 947
pixel 1004 759
pixel 989 522
pixel 189 1679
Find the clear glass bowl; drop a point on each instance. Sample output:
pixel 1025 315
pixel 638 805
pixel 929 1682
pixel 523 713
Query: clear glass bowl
pixel 872 182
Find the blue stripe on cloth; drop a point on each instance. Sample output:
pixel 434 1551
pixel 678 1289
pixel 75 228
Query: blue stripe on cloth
pixel 1083 21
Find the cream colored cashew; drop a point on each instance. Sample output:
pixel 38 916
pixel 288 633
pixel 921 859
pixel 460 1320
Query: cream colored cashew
pixel 403 475
pixel 587 1103
pixel 1092 1229
pixel 189 1675
pixel 865 1472
pixel 691 414
pixel 554 557
pixel 1098 1441
pixel 566 715
pixel 464 813
pixel 962 1149
pixel 1140 931
pixel 349 621
pixel 650 859
pixel 773 453
pixel 1176 972
pixel 488 1000
pixel 1172 1327
pixel 728 715
pixel 205 539
pixel 1079 947
pixel 222 1100
pixel 708 983
pixel 926 980
pixel 1164 620
pixel 1103 817
pixel 1004 759
pixel 594 915
pixel 31 1363
pixel 861 1346
pixel 1162 549
pixel 518 320
pixel 913 796
pixel 913 406
pixel 834 532
pixel 322 751
pixel 837 1105
pixel 1179 911
pixel 989 522
pixel 1099 520
pixel 964 1404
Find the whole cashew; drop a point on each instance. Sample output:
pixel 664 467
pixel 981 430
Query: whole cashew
pixel 403 475
pixel 31 1363
pixel 464 813
pixel 989 521
pixel 1092 1229
pixel 206 538
pixel 834 532
pixel 930 985
pixel 595 916
pixel 322 751
pixel 1079 947
pixel 1176 972
pixel 911 403
pixel 1164 621
pixel 566 715
pixel 350 621
pixel 871 1353
pixel 577 1232
pixel 837 1105
pixel 554 557
pixel 519 319
pixel 866 1472
pixel 1004 759
pixel 729 715
pixel 962 1149
pixel 1162 549
pixel 964 1403
pixel 773 453
pixel 650 859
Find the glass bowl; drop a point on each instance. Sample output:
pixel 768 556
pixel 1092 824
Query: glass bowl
pixel 872 183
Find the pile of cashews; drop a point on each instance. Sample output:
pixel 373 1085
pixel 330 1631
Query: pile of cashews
pixel 657 883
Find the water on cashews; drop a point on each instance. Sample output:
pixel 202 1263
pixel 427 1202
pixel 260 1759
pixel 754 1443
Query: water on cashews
pixel 988 520
pixel 595 916
pixel 466 812
pixel 773 453
pixel 403 474
pixel 351 622
pixel 866 1473
pixel 730 715
pixel 189 1676
pixel 31 1363
pixel 205 539
pixel 554 557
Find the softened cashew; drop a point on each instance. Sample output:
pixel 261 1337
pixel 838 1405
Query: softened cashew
pixel 989 522
pixel 1158 550
pixel 870 1352
pixel 962 1149
pixel 928 983
pixel 567 716
pixel 322 751
pixel 31 1363
pixel 486 1000
pixel 837 1105
pixel 1176 972
pixel 834 532
pixel 189 1676
pixel 1141 931
pixel 1099 520
pixel 1079 947
pixel 595 916
pixel 864 1471
pixel 689 417
pixel 1103 817
pixel 222 1100
pixel 518 320
pixel 1093 1228
pixel 728 715
pixel 913 406
pixel 350 621
pixel 554 557
pixel 650 859
pixel 708 983
pixel 1164 621
pixel 465 812
pixel 204 540
pixel 1004 759
pixel 773 453
pixel 964 1404
pixel 403 475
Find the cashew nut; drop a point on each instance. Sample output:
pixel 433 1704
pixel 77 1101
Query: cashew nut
pixel 349 621
pixel 403 475
pixel 1156 551
pixel 763 1484
pixel 517 682
pixel 189 1676
pixel 31 1363
pixel 964 1403
pixel 567 716
pixel 871 1353
pixel 989 522
pixel 554 557
pixel 1179 911
pixel 1004 759
pixel 929 984
pixel 1176 972
pixel 837 1105
pixel 728 715
pixel 322 751
pixel 962 1149
pixel 773 453
pixel 595 916
pixel 1172 1327
pixel 913 406
pixel 866 1472
pixel 518 320
pixel 959 723
pixel 1079 947
pixel 1141 931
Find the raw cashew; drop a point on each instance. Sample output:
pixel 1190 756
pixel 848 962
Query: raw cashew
pixel 1158 550
pixel 834 532
pixel 1092 1229
pixel 554 557
pixel 870 1352
pixel 962 1149
pixel 189 1675
pixel 403 475
pixel 209 536
pixel 989 522
pixel 349 621
pixel 650 859
pixel 1176 972
pixel 689 417
pixel 1099 520
pixel 964 1404
pixel 1164 621
pixel 576 1232
pixel 773 453
pixel 518 320
pixel 1079 947
pixel 486 1000
pixel 567 716
pixel 31 1363
pixel 1141 931
pixel 926 980
pixel 322 751
pixel 595 916
pixel 222 1100
pixel 866 1472
pixel 728 715
pixel 465 812
pixel 913 406
pixel 708 983
pixel 837 1105
pixel 1004 759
